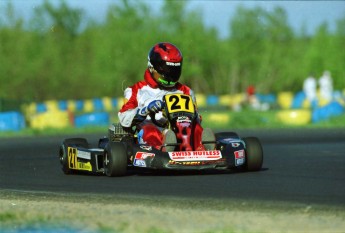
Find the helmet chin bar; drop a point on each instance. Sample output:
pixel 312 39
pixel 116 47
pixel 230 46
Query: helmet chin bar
pixel 165 83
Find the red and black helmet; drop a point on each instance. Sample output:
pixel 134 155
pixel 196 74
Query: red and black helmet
pixel 166 59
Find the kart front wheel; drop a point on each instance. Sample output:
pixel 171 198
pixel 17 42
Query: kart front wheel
pixel 115 159
pixel 254 154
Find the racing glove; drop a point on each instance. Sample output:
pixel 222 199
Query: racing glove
pixel 153 107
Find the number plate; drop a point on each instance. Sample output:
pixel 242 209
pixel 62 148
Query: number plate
pixel 179 103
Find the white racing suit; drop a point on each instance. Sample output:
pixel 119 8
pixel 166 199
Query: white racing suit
pixel 139 96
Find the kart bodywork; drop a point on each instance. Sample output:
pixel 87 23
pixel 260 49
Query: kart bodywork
pixel 120 150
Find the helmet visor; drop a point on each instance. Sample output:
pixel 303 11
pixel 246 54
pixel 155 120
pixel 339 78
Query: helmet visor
pixel 170 71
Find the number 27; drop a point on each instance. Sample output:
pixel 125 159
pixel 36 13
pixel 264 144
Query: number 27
pixel 177 102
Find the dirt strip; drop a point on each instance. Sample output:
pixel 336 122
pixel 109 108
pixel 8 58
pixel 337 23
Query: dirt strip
pixel 51 212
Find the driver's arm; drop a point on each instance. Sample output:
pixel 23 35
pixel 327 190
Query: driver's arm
pixel 130 114
pixel 127 113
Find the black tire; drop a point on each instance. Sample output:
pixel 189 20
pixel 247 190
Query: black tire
pixel 115 159
pixel 222 135
pixel 63 152
pixel 254 154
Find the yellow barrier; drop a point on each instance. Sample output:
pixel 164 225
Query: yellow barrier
pixel 88 105
pixel 52 105
pixel 341 101
pixel 217 118
pixel 323 102
pixel 29 110
pixel 71 105
pixel 232 100
pixel 306 104
pixel 294 117
pixel 226 100
pixel 200 100
pixel 238 99
pixel 120 102
pixel 285 99
pixel 107 102
pixel 51 119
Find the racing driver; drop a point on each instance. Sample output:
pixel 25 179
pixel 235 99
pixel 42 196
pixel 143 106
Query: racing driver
pixel 145 97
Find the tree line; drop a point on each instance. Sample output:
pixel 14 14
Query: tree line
pixel 60 53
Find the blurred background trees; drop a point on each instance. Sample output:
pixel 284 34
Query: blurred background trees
pixel 62 54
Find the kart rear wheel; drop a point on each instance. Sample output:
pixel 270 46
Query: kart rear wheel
pixel 115 159
pixel 254 154
pixel 63 152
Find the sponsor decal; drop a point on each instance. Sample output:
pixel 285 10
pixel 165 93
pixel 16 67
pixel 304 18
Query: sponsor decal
pixel 197 163
pixel 139 163
pixel 239 154
pixel 186 163
pixel 143 155
pixel 235 144
pixel 195 155
pixel 173 63
pixel 139 159
pixel 72 158
pixel 73 162
pixel 219 162
pixel 183 119
pixel 239 162
pixel 85 166
pixel 239 157
pixel 83 154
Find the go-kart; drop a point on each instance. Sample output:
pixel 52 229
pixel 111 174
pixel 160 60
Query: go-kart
pixel 120 151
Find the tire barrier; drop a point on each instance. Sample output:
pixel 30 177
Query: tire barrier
pixel 12 121
pixel 212 100
pixel 55 119
pixel 62 105
pixel 323 113
pixel 226 100
pixel 100 104
pixel 92 119
pixel 120 101
pixel 294 117
pixel 218 119
pixel 87 106
pixel 298 100
pixel 109 104
pixel 201 100
pixel 41 107
pixel 285 99
pixel 87 110
pixel 268 98
pixel 232 100
pixel 339 97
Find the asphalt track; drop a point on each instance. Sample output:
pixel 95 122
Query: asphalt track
pixel 300 166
